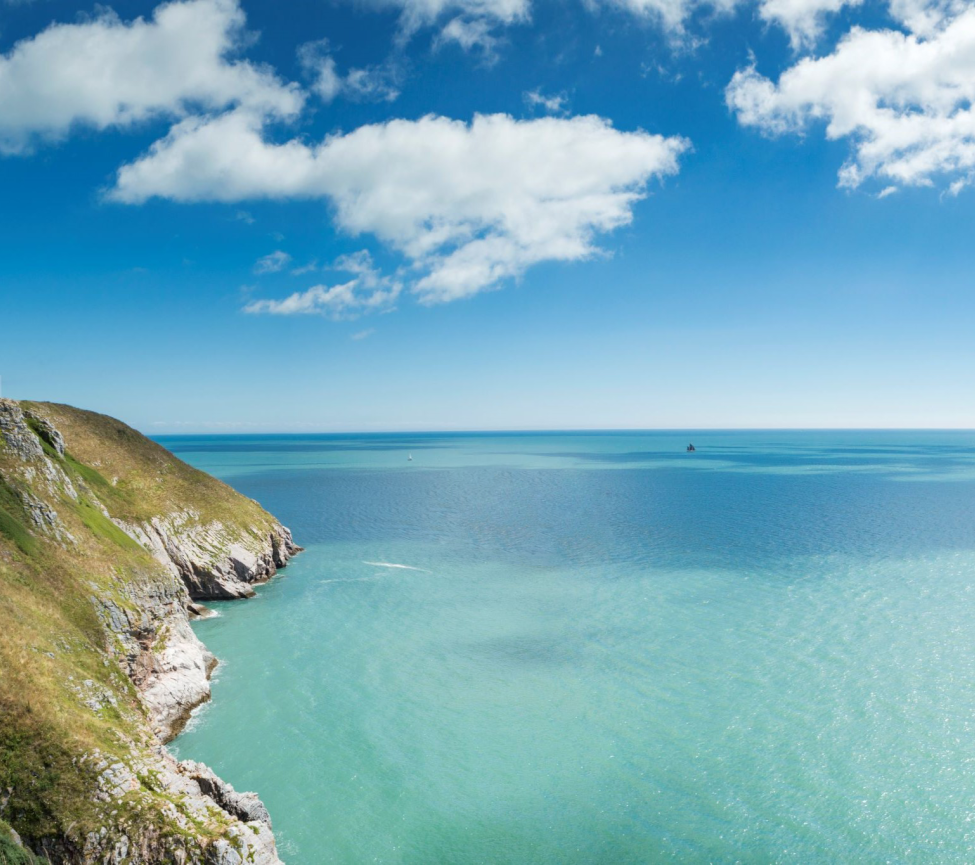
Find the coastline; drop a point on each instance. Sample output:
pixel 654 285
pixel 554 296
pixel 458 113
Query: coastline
pixel 138 539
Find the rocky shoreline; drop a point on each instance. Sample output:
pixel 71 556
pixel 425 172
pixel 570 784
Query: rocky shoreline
pixel 158 809
pixel 175 680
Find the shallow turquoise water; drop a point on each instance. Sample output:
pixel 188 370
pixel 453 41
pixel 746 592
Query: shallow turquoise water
pixel 605 649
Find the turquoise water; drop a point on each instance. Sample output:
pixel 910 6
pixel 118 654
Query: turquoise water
pixel 602 649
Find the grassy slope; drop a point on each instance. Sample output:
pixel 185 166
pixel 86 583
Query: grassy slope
pixel 140 477
pixel 50 636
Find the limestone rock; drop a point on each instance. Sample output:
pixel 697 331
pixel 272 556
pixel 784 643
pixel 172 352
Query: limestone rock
pixel 17 435
pixel 48 432
pixel 245 806
pixel 214 562
pixel 163 657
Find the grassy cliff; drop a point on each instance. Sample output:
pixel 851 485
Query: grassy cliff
pixel 92 614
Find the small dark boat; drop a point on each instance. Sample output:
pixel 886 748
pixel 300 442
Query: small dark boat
pixel 691 449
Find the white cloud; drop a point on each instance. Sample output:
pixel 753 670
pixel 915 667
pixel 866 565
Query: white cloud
pixel 107 73
pixel 803 20
pixel 470 34
pixel 926 17
pixel 670 14
pixel 903 100
pixel 273 263
pixel 368 291
pixel 423 13
pixel 378 83
pixel 363 334
pixel 467 204
pixel 469 23
pixel 554 104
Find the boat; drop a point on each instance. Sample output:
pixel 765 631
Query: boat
pixel 410 458
pixel 691 449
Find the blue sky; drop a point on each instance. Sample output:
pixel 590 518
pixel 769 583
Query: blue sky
pixel 489 214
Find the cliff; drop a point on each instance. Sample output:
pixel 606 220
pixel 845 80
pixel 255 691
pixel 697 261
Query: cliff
pixel 107 541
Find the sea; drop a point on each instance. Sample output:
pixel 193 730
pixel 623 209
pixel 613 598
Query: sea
pixel 600 648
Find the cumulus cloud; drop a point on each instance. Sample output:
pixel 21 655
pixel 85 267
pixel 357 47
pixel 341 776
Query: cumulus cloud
pixel 273 263
pixel 367 291
pixel 377 83
pixel 803 20
pixel 105 73
pixel 468 204
pixel 903 100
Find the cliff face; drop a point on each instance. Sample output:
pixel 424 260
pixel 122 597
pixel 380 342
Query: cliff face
pixel 106 541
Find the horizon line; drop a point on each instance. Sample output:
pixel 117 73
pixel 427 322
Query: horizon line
pixel 554 430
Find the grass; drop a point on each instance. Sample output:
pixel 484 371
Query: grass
pixel 12 520
pixel 141 477
pixel 102 527
pixel 13 854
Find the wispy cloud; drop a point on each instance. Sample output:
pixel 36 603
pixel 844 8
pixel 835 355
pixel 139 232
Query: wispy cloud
pixel 273 263
pixel 368 291
pixel 377 83
pixel 363 334
pixel 557 103
pixel 311 267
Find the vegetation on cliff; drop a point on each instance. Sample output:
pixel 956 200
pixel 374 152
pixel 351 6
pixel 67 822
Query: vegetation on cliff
pixel 89 612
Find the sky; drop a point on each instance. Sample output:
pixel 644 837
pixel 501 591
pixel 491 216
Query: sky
pixel 374 215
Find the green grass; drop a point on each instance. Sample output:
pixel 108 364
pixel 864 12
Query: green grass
pixel 17 532
pixel 12 522
pixel 92 477
pixel 12 854
pixel 146 479
pixel 102 527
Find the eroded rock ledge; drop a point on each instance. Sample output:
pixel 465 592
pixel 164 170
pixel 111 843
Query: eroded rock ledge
pixel 213 563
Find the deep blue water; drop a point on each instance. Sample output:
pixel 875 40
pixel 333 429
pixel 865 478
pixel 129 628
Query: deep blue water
pixel 604 649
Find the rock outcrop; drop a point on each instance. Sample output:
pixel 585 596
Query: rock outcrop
pixel 146 567
pixel 214 563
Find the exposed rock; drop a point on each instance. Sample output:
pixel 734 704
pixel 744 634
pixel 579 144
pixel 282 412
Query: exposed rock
pixel 198 611
pixel 245 806
pixel 163 657
pixel 47 431
pixel 199 793
pixel 213 562
pixel 93 695
pixel 18 436
pixel 45 518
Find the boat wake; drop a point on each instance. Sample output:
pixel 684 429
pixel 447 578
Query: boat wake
pixel 400 567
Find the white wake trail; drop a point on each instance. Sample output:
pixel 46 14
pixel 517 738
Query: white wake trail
pixel 391 565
